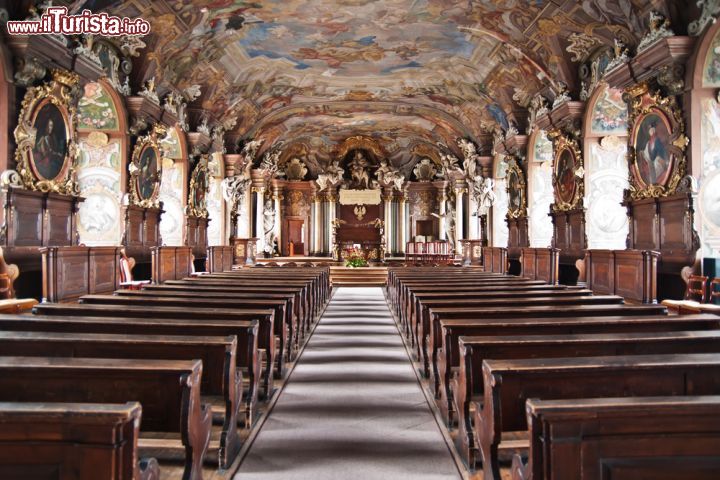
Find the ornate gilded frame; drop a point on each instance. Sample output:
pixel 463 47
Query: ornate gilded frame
pixel 514 169
pixel 63 92
pixel 644 102
pixel 151 140
pixel 561 144
pixel 201 170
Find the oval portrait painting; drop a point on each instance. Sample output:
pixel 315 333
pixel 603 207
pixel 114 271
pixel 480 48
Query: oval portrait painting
pixel 51 139
pixel 565 175
pixel 148 175
pixel 200 190
pixel 514 191
pixel 653 162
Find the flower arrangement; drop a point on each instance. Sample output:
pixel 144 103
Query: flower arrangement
pixel 355 258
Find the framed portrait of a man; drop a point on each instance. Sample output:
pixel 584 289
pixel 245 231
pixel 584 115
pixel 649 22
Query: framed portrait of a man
pixel 656 145
pixel 653 159
pixel 568 171
pixel 46 136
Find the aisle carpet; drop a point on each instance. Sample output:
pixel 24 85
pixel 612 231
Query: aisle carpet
pixel 353 408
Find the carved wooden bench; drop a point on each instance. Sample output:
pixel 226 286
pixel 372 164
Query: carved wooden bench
pixel 221 382
pixel 245 331
pixel 79 441
pixel 509 383
pixel 173 417
pixel 633 438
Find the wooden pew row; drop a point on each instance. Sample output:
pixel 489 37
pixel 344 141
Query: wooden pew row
pixel 319 277
pixel 250 362
pixel 509 383
pixel 173 416
pixel 396 274
pixel 303 317
pixel 548 338
pixel 431 339
pixel 276 355
pixel 245 331
pixel 421 323
pixel 221 382
pixel 544 307
pixel 88 441
pixel 288 299
pixel 267 284
pixel 414 309
pixel 659 438
pixel 408 288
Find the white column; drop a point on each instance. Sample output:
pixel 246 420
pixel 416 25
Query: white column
pixel 459 217
pixel 442 210
pixel 277 197
pixel 389 227
pixel 473 220
pixel 402 224
pixel 259 218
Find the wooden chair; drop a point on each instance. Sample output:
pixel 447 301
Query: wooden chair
pixel 714 291
pixel 126 277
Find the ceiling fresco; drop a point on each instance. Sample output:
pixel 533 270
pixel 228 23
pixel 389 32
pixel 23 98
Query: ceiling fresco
pixel 475 63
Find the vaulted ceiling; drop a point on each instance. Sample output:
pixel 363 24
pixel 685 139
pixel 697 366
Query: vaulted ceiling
pixel 406 71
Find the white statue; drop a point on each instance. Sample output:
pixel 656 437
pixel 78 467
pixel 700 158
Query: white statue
pixel 481 189
pixel 332 176
pixel 449 219
pixel 449 164
pixel 269 225
pixel 470 157
pixel 270 165
pixel 387 175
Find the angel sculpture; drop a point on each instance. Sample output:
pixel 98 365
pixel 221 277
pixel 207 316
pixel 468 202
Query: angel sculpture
pixel 332 176
pixel 483 194
pixel 387 175
pixel 470 157
pixel 448 164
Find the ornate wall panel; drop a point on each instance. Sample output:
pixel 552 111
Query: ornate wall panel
pixel 215 203
pixel 99 175
pixel 606 180
pixel 540 192
pixel 171 196
pixel 500 207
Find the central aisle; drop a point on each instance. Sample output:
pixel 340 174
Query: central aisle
pixel 353 407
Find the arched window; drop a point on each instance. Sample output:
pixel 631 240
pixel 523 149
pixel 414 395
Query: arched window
pixel 215 202
pixel 500 207
pixel 606 169
pixel 540 190
pixel 706 161
pixel 173 190
pixel 100 164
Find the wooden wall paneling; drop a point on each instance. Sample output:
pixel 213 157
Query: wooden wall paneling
pixel 632 274
pixel 72 271
pixel 220 258
pixel 528 263
pixel 170 263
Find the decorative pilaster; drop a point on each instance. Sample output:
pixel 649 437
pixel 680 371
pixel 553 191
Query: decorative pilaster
pixel 459 214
